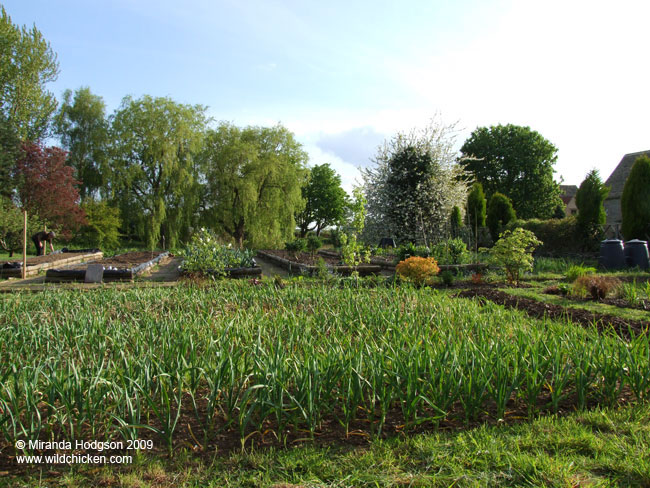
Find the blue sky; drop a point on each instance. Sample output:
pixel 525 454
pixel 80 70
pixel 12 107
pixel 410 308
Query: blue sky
pixel 343 76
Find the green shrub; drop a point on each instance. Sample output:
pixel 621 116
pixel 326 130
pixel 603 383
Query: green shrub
pixel 576 272
pixel 313 244
pixel 297 246
pixel 476 205
pixel 455 221
pixel 451 251
pixel 499 214
pixel 558 236
pixel 409 250
pixel 635 201
pixel 591 212
pixel 447 277
pixel 205 253
pixel 514 252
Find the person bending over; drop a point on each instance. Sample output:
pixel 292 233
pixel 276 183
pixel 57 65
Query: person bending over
pixel 40 238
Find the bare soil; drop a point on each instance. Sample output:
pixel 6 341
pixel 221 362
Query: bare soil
pixel 124 261
pixel 48 258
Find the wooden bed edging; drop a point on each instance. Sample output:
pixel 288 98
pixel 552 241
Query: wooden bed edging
pixel 35 269
pixel 121 274
pixel 299 268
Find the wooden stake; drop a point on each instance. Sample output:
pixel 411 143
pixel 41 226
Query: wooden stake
pixel 24 244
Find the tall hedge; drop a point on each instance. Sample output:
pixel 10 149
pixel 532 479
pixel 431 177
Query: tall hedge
pixel 499 213
pixel 635 201
pixel 558 236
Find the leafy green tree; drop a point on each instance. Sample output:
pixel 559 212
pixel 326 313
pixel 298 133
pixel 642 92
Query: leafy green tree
pixel 11 226
pixel 517 162
pixel 254 177
pixel 27 64
pixel 325 200
pixel 414 185
pixel 103 227
pixel 499 213
pixel 9 150
pixel 154 175
pixel 635 201
pixel 476 207
pixel 82 126
pixel 591 211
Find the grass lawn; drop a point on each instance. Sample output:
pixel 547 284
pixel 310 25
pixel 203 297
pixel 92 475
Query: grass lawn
pixel 604 447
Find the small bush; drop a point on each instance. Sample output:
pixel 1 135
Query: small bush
pixel 418 270
pixel 576 272
pixel 451 251
pixel 447 277
pixel 206 253
pixel 595 285
pixel 313 244
pixel 410 250
pixel 299 245
pixel 514 252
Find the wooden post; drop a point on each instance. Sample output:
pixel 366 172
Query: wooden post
pixel 24 244
pixel 44 244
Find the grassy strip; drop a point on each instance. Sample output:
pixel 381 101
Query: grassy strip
pixel 599 448
pixel 536 293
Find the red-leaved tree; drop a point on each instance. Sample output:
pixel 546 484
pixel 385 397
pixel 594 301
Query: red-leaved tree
pixel 47 187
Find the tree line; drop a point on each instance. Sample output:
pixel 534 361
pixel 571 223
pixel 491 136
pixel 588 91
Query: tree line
pixel 152 171
pixel 156 169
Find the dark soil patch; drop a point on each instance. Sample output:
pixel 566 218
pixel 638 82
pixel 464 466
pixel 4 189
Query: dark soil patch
pixel 124 261
pixel 48 258
pixel 537 309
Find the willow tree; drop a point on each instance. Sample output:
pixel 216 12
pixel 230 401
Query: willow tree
pixel 254 177
pixel 154 175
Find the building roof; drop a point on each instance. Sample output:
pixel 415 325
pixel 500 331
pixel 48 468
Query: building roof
pixel 568 190
pixel 616 180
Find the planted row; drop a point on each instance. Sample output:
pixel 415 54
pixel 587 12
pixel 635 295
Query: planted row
pixel 256 359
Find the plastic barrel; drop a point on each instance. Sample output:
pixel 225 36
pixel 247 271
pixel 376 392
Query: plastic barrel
pixel 636 254
pixel 612 254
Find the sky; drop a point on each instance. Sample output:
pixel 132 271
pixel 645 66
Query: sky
pixel 346 75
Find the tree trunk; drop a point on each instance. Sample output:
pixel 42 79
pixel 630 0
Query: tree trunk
pixel 239 234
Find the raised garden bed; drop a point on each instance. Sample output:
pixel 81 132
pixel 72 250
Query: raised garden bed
pixel 304 263
pixel 123 267
pixel 36 264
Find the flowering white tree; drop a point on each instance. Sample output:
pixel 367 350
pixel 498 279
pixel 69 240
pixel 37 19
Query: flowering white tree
pixel 414 185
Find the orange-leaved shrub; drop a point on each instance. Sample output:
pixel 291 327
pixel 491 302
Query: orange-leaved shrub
pixel 595 285
pixel 420 271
